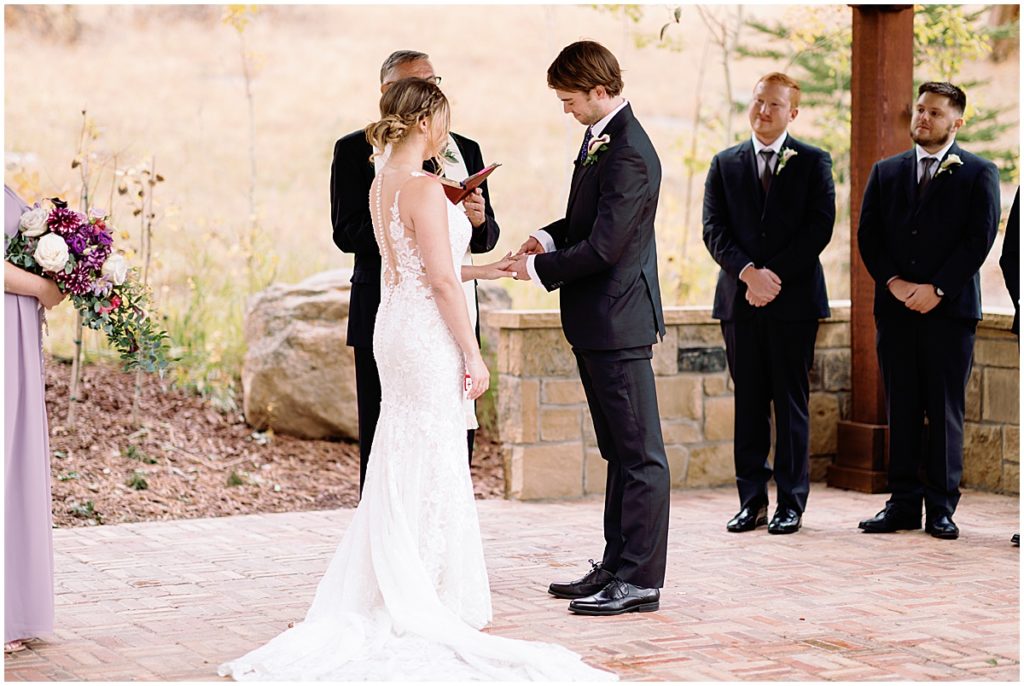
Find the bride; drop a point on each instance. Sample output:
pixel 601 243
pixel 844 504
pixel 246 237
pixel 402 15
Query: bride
pixel 406 593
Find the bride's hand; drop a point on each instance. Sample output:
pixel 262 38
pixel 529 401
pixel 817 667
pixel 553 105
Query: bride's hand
pixel 479 376
pixel 499 269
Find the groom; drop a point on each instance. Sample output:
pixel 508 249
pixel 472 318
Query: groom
pixel 602 258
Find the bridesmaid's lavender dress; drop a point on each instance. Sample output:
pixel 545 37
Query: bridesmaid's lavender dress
pixel 28 540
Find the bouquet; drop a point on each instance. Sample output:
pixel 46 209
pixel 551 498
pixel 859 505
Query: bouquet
pixel 76 251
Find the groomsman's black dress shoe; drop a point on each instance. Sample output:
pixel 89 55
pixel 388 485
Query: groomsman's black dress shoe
pixel 942 527
pixel 594 580
pixel 617 598
pixel 785 521
pixel 889 520
pixel 1015 540
pixel 748 519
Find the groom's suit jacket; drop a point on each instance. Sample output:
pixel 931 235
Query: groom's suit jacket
pixel 351 176
pixel 606 262
pixel 941 238
pixel 785 230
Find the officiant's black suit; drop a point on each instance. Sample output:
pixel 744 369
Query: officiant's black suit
pixel 770 349
pixel 606 269
pixel 351 176
pixel 939 238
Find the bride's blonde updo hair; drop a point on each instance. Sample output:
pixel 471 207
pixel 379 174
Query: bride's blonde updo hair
pixel 403 106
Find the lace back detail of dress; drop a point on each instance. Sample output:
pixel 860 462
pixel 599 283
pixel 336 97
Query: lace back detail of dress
pixel 400 259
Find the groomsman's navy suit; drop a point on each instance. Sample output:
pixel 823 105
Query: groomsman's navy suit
pixel 606 269
pixel 939 237
pixel 770 349
pixel 351 176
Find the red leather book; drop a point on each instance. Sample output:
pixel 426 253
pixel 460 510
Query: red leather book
pixel 457 191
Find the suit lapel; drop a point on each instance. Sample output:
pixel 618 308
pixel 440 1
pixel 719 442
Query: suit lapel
pixel 749 179
pixel 582 171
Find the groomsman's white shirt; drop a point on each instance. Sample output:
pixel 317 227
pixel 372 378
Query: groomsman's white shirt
pixel 457 171
pixel 542 236
pixel 776 147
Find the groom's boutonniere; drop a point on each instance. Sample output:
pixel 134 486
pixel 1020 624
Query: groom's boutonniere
pixel 449 156
pixel 948 164
pixel 784 157
pixel 596 147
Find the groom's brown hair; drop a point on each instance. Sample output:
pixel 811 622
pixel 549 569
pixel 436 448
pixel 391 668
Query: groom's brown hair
pixel 584 65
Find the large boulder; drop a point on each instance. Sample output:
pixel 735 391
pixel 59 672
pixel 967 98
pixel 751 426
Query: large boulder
pixel 298 375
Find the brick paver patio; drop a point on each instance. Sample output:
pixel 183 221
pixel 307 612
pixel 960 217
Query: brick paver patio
pixel 171 600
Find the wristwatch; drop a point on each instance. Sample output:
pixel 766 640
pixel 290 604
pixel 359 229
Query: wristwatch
pixel 938 292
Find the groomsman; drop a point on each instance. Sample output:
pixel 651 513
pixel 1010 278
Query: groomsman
pixel 769 208
pixel 602 256
pixel 928 220
pixel 351 176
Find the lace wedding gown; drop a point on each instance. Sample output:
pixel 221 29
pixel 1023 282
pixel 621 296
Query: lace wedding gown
pixel 407 591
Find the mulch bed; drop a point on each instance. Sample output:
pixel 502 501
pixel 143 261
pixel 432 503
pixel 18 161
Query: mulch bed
pixel 184 459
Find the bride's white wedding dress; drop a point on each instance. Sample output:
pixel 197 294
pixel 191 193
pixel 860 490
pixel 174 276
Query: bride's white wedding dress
pixel 406 593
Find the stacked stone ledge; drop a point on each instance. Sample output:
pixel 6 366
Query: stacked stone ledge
pixel 548 437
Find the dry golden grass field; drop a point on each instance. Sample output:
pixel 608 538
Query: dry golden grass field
pixel 166 83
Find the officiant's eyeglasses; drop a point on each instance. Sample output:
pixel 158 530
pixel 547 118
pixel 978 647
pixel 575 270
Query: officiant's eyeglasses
pixel 436 80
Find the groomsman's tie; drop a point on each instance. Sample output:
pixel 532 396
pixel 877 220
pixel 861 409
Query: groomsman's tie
pixel 766 175
pixel 926 174
pixel 586 142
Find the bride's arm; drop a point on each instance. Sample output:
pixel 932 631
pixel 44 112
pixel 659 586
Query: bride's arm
pixel 428 212
pixel 487 272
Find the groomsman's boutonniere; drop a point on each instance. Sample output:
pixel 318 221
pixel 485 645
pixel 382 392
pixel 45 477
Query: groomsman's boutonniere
pixel 597 146
pixel 784 157
pixel 948 163
pixel 449 156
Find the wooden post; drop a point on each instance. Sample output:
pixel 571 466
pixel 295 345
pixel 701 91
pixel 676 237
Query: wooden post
pixel 882 95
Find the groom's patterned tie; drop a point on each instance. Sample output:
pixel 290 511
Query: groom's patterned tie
pixel 926 174
pixel 586 142
pixel 766 176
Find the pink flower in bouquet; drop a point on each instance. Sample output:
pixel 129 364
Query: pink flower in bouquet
pixel 115 303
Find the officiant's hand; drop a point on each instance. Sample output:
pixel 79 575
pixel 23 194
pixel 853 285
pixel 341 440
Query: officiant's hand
pixel 474 205
pixel 531 247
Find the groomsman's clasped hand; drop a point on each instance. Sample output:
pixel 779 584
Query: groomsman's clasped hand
pixel 919 297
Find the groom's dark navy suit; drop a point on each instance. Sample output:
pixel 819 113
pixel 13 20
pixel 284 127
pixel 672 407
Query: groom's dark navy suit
pixel 606 267
pixel 351 177
pixel 939 237
pixel 770 349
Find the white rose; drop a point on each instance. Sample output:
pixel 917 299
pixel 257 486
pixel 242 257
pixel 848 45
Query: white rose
pixel 51 253
pixel 116 268
pixel 33 222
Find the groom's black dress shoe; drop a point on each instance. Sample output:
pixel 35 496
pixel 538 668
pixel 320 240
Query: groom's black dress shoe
pixel 942 527
pixel 617 598
pixel 748 519
pixel 785 521
pixel 594 580
pixel 889 520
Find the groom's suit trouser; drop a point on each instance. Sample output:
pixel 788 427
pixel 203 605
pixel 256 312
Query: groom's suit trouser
pixel 368 406
pixel 620 390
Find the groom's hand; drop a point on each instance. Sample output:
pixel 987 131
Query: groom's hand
pixel 474 206
pixel 531 247
pixel 519 267
pixel 763 285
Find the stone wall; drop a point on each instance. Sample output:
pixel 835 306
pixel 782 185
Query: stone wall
pixel 548 437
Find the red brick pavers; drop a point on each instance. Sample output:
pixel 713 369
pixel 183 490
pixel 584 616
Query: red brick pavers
pixel 171 600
